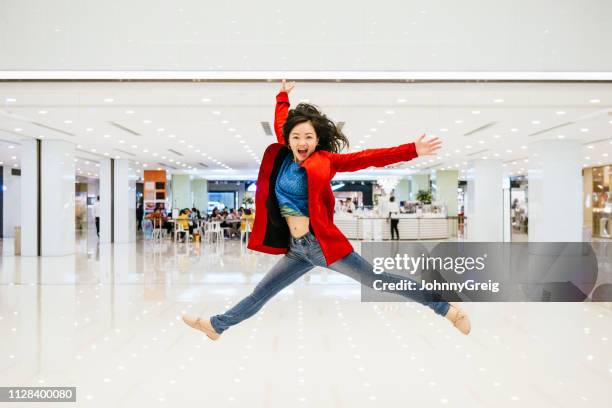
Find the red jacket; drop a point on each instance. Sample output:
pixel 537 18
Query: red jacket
pixel 270 231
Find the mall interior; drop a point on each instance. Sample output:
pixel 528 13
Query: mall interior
pixel 129 156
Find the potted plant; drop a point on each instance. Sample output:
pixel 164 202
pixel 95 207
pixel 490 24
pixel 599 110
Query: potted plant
pixel 424 196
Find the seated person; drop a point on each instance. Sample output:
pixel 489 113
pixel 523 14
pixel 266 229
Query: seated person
pixel 247 218
pixel 183 221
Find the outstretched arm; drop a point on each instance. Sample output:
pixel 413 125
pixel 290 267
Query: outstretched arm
pixel 385 156
pixel 282 108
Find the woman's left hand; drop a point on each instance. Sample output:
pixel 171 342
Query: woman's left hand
pixel 427 147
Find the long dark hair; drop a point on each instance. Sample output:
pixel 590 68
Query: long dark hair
pixel 331 138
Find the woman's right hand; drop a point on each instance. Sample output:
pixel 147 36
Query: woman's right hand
pixel 287 87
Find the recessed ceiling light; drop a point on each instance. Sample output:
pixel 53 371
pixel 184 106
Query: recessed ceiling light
pixel 514 130
pixel 68 121
pixel 458 121
pixel 481 141
pixel 145 151
pixel 560 112
pixel 590 146
pixel 224 122
pixel 121 141
pixel 242 141
pixel 390 112
pixel 93 150
pixel 401 100
pixel 443 130
pixel 496 136
pixel 206 100
pixel 523 147
pixel 373 130
pixel 109 100
pixel 160 129
pixel 107 136
pixel 231 129
pixel 475 112
pixel 594 100
pixel 171 136
pixel 584 130
pixel 134 146
pixel 129 112
pixel 587 158
pixel 18 130
pixel 237 136
pixel 146 121
pixel 508 151
pixel 498 100
pixel 535 122
pixel 216 112
pixel 560 136
pixel 10 100
pixel 42 112
pixel 181 141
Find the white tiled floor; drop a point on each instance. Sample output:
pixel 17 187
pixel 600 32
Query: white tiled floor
pixel 108 322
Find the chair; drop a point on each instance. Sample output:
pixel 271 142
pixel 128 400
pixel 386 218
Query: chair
pixel 158 232
pixel 213 231
pixel 179 228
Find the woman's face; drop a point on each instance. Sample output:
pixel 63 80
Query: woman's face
pixel 303 141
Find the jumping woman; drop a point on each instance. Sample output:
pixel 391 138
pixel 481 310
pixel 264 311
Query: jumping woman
pixel 295 209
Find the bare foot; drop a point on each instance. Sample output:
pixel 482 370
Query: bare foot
pixel 459 318
pixel 203 325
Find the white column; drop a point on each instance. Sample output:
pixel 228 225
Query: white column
pixel 402 190
pixel 57 198
pixel 11 204
pixel 29 198
pixel 418 182
pixel 200 194
pixel 125 203
pixel 555 191
pixel 447 183
pixel 181 191
pixel 484 206
pixel 105 201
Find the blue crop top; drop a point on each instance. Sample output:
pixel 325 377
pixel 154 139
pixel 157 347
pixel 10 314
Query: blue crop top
pixel 292 189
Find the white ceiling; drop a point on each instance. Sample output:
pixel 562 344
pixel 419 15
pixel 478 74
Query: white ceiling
pixel 387 35
pixel 207 117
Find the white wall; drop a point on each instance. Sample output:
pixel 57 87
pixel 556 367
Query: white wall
pixel 408 35
pixel 11 204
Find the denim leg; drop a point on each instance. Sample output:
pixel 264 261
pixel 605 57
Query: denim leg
pixel 354 266
pixel 286 271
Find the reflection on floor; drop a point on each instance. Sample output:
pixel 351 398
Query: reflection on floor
pixel 108 322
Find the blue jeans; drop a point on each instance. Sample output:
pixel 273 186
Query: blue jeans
pixel 304 254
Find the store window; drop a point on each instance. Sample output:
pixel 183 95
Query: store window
pixel 601 201
pixel 221 200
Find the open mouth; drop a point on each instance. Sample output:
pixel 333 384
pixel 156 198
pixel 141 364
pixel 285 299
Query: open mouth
pixel 302 152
